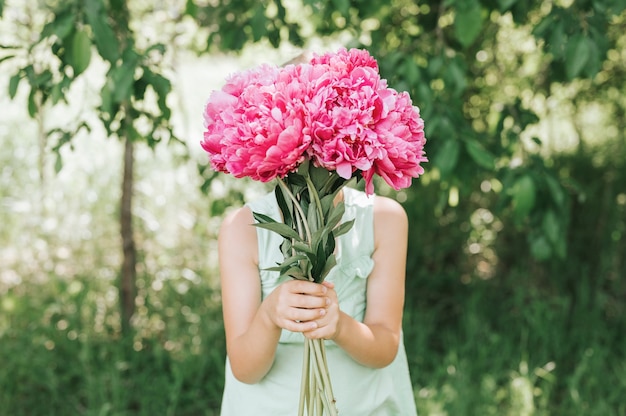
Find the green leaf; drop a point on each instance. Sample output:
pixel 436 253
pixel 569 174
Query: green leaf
pixel 106 99
pixel 297 179
pixel 190 8
pixel 295 273
pixel 330 245
pixel 540 248
pixel 42 79
pixel 556 43
pixel 594 62
pixel 544 27
pixel 343 228
pixel 327 202
pixel 58 163
pixel 505 5
pixel 455 77
pixel 62 25
pixel 335 215
pixel 280 228
pixel 551 227
pixel 319 176
pixel 287 270
pixel 104 37
pixel 468 22
pixel 59 89
pixel 303 247
pixel 312 218
pixel 123 78
pixel 410 71
pixel 556 191
pixel 162 86
pixel 318 266
pixel 479 154
pixel 257 23
pixel 331 262
pixel 342 6
pixel 264 219
pixel 524 194
pixel 447 156
pixel 32 103
pixel 294 259
pixel 79 52
pixel 285 208
pixel 14 82
pixel 576 55
pixel 334 183
pixel 6 58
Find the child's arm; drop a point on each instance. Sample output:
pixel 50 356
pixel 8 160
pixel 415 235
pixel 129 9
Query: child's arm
pixel 253 327
pixel 375 341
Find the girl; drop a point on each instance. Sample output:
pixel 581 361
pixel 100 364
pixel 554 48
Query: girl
pixel 357 311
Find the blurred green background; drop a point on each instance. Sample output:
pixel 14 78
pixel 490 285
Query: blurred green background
pixel 516 291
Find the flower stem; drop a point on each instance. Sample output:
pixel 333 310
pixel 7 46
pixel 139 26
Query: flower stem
pixel 296 204
pixel 304 383
pixel 316 199
pixel 316 392
pixel 319 350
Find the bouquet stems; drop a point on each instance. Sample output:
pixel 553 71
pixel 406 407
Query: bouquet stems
pixel 312 216
pixel 316 393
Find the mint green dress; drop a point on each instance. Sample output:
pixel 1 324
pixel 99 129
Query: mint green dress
pixel 359 390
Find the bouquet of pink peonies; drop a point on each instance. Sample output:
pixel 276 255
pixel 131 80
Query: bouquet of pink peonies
pixel 312 127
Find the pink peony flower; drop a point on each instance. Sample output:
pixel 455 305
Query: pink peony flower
pixel 346 60
pixel 343 110
pixel 255 124
pixel 335 110
pixel 402 140
pixel 359 124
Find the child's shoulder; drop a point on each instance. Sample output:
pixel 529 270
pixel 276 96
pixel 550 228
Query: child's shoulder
pixel 388 206
pixel 237 221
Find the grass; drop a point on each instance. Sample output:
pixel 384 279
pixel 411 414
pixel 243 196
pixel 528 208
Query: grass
pixel 516 355
pixel 62 354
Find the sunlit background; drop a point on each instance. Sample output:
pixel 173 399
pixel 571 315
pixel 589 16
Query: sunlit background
pixel 515 283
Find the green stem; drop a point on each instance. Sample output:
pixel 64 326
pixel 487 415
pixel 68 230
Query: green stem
pixel 320 396
pixel 312 397
pixel 315 198
pixel 300 219
pixel 322 366
pixel 304 383
pixel 296 204
pixel 315 390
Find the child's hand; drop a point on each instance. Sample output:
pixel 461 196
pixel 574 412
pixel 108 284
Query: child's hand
pixel 328 323
pixel 297 305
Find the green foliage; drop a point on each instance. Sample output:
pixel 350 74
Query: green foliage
pixel 79 52
pixel 310 222
pixel 60 359
pixel 515 301
pixel 235 24
pixel 468 21
pixel 69 36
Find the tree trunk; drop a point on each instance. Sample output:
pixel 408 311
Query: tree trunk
pixel 127 287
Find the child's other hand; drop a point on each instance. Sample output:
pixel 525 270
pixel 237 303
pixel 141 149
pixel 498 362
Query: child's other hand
pixel 327 325
pixel 297 305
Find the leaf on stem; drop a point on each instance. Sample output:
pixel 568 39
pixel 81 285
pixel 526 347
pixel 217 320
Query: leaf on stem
pixel 285 208
pixel 335 215
pixel 331 262
pixel 343 228
pixel 269 223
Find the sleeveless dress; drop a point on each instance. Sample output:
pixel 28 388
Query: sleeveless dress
pixel 359 390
